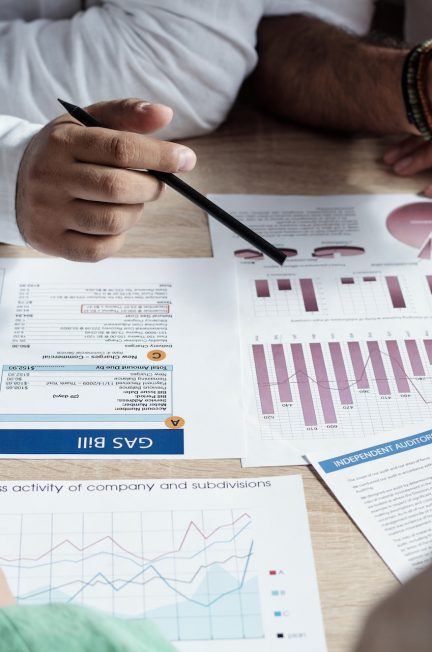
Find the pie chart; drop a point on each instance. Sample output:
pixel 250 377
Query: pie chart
pixel 412 225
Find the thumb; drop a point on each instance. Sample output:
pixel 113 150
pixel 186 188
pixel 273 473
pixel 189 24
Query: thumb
pixel 132 115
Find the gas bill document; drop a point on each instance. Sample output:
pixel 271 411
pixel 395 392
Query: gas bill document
pixel 129 357
pixel 386 488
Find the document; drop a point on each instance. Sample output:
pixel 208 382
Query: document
pixel 387 490
pixel 336 344
pixel 220 564
pixel 127 357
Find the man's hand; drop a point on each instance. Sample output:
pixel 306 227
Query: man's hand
pixel 403 622
pixel 411 156
pixel 76 194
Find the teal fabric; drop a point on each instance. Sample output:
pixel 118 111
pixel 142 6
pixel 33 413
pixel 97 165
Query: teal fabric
pixel 66 628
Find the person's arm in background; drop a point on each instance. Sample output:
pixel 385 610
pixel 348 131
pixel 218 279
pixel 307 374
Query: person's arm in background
pixel 403 621
pixel 54 626
pixel 317 74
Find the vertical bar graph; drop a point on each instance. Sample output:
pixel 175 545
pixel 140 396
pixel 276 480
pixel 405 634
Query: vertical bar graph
pixel 428 348
pixel 414 358
pixel 398 368
pixel 263 379
pixel 304 389
pixel 309 296
pixel 319 380
pixel 262 289
pixel 323 383
pixel 395 290
pixel 282 378
pixel 378 369
pixel 340 373
pixel 284 284
pixel 358 364
pixel 369 279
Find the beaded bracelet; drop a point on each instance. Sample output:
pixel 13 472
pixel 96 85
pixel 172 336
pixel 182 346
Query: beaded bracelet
pixel 414 88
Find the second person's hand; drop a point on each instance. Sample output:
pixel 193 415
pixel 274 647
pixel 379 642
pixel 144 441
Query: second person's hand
pixel 411 156
pixel 77 192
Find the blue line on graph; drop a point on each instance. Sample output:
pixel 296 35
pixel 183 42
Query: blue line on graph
pixel 117 556
pixel 165 580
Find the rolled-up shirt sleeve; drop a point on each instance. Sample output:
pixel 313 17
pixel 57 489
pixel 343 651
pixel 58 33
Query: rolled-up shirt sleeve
pixel 354 15
pixel 15 134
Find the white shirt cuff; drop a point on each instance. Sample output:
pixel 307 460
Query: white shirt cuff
pixel 15 135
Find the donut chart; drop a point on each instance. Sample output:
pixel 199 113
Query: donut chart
pixel 411 224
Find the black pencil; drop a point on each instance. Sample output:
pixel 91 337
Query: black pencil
pixel 194 196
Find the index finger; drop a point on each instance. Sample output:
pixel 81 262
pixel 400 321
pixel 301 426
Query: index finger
pixel 124 149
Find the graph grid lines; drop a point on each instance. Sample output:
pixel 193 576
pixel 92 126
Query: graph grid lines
pixel 336 389
pixel 190 571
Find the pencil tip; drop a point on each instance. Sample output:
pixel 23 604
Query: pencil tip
pixel 67 105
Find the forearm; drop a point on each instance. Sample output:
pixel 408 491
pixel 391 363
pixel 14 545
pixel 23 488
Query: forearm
pixel 317 74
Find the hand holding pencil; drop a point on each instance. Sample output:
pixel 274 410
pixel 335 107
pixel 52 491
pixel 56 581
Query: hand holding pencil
pixel 76 194
pixel 80 191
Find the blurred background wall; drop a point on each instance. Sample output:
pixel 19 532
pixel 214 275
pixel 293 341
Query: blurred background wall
pixel 411 19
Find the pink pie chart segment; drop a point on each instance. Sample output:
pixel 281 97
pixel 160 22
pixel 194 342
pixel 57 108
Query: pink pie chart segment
pixel 411 224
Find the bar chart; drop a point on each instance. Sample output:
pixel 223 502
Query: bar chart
pixel 341 388
pixel 376 295
pixel 293 295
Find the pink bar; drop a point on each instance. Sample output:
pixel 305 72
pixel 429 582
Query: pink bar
pixel 302 377
pixel 279 361
pixel 323 383
pixel 262 289
pixel 378 367
pixel 309 297
pixel 428 347
pixel 340 373
pixel 347 280
pixel 414 357
pixel 395 290
pixel 358 364
pixel 398 368
pixel 368 279
pixel 263 379
pixel 429 280
pixel 284 284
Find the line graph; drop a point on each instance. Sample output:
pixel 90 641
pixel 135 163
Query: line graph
pixel 190 571
pixel 342 388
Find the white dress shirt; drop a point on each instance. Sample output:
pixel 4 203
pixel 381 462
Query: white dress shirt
pixel 192 55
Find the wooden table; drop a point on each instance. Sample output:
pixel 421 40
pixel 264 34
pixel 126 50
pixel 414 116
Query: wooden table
pixel 253 153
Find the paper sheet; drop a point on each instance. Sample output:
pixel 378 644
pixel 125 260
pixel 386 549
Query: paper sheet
pixel 126 357
pixel 387 490
pixel 336 344
pixel 225 563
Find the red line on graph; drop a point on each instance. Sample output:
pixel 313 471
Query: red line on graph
pixel 191 525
